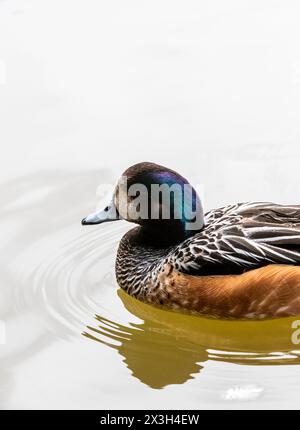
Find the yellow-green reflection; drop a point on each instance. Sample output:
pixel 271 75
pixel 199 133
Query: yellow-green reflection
pixel 167 347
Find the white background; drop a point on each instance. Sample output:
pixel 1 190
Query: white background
pixel 210 88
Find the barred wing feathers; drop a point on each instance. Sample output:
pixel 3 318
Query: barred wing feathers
pixel 242 236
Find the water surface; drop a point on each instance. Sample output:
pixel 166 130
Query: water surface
pixel 74 339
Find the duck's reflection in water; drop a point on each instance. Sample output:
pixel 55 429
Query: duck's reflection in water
pixel 169 348
pixel 151 353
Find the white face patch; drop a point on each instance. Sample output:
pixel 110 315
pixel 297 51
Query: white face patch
pixel 132 203
pixel 121 198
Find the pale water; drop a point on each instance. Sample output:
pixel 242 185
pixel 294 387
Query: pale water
pixel 86 90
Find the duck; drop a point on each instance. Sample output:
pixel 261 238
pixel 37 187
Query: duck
pixel 241 261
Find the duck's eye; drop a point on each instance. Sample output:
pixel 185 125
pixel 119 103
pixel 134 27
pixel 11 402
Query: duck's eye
pixel 106 209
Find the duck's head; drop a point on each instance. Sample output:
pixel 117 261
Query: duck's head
pixel 160 200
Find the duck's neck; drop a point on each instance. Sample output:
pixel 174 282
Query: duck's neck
pixel 164 235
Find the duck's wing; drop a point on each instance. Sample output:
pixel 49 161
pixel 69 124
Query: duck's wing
pixel 242 236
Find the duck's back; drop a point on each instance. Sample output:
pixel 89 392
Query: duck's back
pixel 240 237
